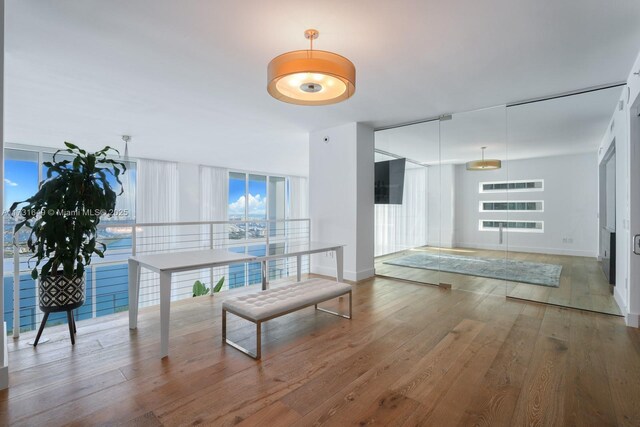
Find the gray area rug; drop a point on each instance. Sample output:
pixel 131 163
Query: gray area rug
pixel 535 273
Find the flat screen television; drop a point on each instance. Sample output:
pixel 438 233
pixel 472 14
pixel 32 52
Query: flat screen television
pixel 389 182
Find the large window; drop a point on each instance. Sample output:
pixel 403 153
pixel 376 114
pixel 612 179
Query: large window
pixel 250 198
pixel 247 201
pixel 24 170
pixel 255 201
pixel 20 182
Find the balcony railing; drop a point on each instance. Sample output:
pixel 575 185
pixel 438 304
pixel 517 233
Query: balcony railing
pixel 107 278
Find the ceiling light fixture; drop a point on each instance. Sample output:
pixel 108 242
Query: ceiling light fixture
pixel 484 164
pixel 311 77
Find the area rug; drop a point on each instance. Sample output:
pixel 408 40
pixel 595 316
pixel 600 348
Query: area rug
pixel 535 273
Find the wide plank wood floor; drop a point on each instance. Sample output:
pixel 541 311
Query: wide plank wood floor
pixel 582 282
pixel 413 355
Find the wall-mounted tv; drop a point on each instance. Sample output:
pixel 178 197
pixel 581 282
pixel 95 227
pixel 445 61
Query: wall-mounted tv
pixel 389 182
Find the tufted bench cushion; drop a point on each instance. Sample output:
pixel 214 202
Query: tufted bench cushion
pixel 281 300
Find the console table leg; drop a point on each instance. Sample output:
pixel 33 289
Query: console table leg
pixel 165 311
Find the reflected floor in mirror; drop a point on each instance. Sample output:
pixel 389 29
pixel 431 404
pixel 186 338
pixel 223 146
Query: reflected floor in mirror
pixel 582 282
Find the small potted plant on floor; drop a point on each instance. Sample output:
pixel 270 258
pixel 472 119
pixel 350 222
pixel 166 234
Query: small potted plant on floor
pixel 63 217
pixel 200 289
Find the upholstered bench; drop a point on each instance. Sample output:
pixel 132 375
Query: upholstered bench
pixel 261 306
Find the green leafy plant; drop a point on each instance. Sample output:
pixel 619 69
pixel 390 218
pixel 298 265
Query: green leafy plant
pixel 65 212
pixel 218 285
pixel 200 289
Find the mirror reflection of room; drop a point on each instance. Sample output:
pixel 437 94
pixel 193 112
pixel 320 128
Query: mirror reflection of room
pixel 521 197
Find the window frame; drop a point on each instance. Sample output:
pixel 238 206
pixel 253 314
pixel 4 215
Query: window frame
pixel 268 195
pixel 246 242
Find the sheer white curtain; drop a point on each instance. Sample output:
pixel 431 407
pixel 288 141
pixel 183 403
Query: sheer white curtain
pixel 214 203
pixel 157 201
pixel 298 206
pixel 214 193
pixel 400 227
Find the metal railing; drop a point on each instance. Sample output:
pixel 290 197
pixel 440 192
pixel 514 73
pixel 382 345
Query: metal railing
pixel 107 278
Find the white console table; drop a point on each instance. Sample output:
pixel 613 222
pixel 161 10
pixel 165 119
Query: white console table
pixel 165 264
pixel 298 250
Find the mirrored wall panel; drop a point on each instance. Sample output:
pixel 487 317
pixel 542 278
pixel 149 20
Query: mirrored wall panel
pixel 562 193
pixel 513 200
pixel 407 210
pixel 474 224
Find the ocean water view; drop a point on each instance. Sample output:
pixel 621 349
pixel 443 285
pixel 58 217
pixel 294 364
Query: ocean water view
pixel 110 293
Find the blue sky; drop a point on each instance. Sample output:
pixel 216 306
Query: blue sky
pixel 257 197
pixel 21 180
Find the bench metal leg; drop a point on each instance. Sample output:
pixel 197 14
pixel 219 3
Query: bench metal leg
pixel 224 325
pixel 258 352
pixel 258 340
pixel 335 313
pixel 257 355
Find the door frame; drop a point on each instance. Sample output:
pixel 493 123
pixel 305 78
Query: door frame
pixel 632 317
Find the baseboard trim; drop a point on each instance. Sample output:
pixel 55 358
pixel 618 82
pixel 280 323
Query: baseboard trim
pixel 364 274
pixel 632 320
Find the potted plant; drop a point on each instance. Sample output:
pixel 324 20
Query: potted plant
pixel 200 289
pixel 63 217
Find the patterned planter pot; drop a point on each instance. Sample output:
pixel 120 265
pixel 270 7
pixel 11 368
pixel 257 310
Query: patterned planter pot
pixel 58 293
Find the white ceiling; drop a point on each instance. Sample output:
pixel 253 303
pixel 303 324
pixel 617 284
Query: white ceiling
pixel 187 78
pixel 556 127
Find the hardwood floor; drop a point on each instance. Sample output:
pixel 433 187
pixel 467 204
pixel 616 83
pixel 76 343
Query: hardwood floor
pixel 582 282
pixel 412 355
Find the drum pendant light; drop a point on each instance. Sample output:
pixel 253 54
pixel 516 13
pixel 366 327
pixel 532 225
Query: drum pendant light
pixel 311 77
pixel 484 164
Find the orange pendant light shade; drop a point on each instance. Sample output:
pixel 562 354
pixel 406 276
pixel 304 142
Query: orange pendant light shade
pixel 311 77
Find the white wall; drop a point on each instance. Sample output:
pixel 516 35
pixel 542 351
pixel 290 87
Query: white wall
pixel 341 199
pixel 365 202
pixel 625 132
pixel 4 362
pixel 617 133
pixel 570 206
pixel 633 313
